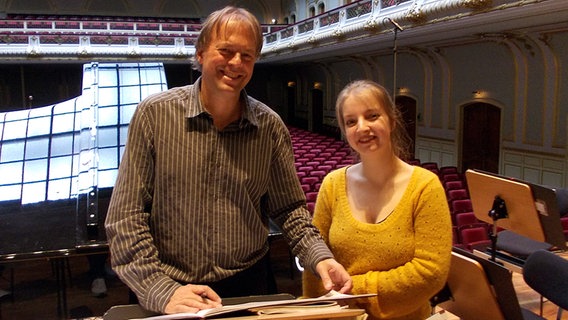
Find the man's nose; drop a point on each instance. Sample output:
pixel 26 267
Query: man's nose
pixel 236 58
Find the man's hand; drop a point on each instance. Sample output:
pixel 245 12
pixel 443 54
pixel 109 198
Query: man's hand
pixel 192 298
pixel 334 276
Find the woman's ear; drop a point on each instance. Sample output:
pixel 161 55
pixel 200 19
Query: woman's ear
pixel 392 125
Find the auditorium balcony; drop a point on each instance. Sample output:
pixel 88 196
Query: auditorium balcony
pixel 359 26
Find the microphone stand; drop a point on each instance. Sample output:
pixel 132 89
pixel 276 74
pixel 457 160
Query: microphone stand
pixel 397 28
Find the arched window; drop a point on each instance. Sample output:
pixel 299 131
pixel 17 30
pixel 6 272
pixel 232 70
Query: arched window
pixel 321 8
pixel 312 11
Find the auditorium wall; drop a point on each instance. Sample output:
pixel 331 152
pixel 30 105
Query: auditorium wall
pixel 524 75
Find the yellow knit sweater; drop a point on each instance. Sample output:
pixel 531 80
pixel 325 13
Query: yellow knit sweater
pixel 405 258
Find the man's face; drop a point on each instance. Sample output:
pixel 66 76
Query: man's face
pixel 228 62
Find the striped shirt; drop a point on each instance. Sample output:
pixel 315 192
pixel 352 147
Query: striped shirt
pixel 191 203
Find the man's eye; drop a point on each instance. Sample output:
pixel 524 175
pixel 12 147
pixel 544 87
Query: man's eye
pixel 247 57
pixel 224 51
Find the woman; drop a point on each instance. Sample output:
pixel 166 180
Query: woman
pixel 386 222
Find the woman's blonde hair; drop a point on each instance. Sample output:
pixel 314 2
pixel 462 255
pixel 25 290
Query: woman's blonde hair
pixel 400 140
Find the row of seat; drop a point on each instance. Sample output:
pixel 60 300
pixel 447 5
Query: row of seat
pixel 54 17
pixel 316 155
pixel 468 231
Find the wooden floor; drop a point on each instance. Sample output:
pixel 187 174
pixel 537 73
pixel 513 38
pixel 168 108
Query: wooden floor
pixel 35 294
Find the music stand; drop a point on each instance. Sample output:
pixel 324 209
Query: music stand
pixel 480 289
pixel 523 208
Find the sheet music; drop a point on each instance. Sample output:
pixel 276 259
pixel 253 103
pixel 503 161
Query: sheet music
pixel 203 314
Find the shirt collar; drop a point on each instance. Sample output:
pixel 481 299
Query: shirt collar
pixel 194 107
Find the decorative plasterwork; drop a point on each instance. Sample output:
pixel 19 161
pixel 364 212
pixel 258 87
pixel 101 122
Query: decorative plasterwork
pixel 423 21
pixel 340 28
pixel 477 4
pixel 36 39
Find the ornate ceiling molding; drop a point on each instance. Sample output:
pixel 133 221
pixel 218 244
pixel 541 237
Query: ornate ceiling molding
pixel 356 28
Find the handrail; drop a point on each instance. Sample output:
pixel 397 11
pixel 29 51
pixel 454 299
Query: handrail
pixel 331 18
pixel 51 24
pixel 91 26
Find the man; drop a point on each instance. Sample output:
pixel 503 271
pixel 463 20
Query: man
pixel 205 167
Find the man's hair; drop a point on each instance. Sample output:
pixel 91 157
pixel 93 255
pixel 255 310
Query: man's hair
pixel 215 22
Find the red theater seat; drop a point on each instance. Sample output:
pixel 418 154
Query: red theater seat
pixel 461 205
pixel 311 196
pixel 309 180
pixel 457 194
pixel 451 185
pixel 475 238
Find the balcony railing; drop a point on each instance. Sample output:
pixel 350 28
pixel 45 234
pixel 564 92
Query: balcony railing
pixel 351 13
pixel 70 37
pixel 104 39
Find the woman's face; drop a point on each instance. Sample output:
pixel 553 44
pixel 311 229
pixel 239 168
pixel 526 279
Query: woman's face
pixel 367 125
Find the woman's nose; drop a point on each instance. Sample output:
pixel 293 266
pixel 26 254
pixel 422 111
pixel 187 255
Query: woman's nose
pixel 362 125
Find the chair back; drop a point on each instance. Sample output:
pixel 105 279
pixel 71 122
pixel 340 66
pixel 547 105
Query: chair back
pixel 547 274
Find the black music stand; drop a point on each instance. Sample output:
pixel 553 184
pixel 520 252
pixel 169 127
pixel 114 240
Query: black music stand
pixel 528 212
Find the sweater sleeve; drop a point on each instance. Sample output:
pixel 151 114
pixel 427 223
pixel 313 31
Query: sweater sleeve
pixel 409 287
